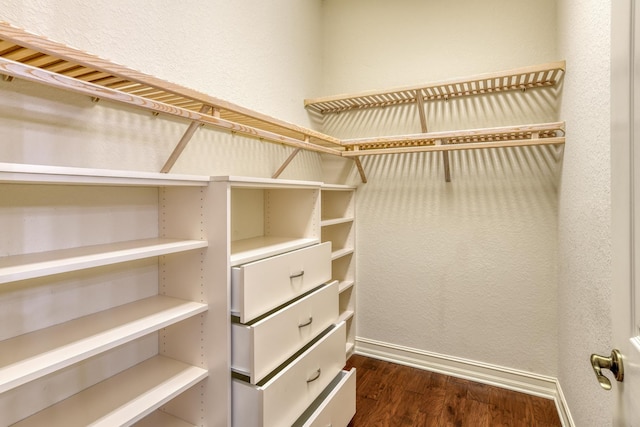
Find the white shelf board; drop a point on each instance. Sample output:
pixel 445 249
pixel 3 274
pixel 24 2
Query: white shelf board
pixel 264 183
pixel 122 399
pixel 346 315
pixel 33 355
pixel 29 266
pixel 248 250
pixel 162 419
pixel 334 221
pixel 340 253
pixel 32 174
pixel 338 187
pixel 345 284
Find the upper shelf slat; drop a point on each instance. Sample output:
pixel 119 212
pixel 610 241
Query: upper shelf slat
pixel 544 75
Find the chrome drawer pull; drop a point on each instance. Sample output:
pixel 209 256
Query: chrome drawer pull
pixel 315 376
pixel 293 276
pixel 307 323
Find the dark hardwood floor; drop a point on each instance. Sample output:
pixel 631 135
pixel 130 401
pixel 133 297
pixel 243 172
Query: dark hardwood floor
pixel 395 395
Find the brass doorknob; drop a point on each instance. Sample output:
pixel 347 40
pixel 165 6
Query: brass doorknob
pixel 612 363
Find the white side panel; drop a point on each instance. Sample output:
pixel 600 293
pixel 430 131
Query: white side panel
pixel 336 406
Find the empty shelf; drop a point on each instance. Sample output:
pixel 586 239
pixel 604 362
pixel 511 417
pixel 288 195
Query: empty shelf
pixel 340 253
pixel 335 221
pixel 29 266
pixel 506 136
pixel 122 399
pixel 32 174
pixel 162 419
pixel 537 76
pixel 33 355
pixel 248 250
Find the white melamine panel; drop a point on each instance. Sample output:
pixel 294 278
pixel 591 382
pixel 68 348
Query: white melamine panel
pixel 253 249
pixel 263 285
pixel 335 406
pixel 285 396
pixel 21 402
pixel 259 348
pixel 23 173
pixel 21 267
pixel 162 419
pixel 30 356
pixel 341 237
pixel 122 399
pixel 337 203
pixel 29 305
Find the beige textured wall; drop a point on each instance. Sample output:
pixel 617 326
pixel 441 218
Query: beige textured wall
pixel 467 268
pixel 262 55
pixel 584 214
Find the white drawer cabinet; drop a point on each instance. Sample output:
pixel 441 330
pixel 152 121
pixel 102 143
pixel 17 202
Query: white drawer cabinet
pixel 287 336
pixel 286 395
pixel 263 285
pixel 260 347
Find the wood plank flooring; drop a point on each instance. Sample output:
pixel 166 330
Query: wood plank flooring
pixel 390 395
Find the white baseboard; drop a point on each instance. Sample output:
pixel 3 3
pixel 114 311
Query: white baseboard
pixel 511 379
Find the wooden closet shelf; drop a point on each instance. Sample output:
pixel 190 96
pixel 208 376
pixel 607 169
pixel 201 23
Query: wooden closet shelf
pixel 545 75
pixel 509 136
pixel 36 58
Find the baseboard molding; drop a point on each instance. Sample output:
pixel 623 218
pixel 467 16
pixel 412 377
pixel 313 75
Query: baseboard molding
pixel 511 379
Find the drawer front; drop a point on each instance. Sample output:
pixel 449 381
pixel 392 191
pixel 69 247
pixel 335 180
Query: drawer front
pixel 261 286
pixel 259 348
pixel 281 400
pixel 336 406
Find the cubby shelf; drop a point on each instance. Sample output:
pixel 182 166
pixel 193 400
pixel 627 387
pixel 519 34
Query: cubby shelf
pixel 247 250
pixel 346 315
pixel 29 266
pixel 345 284
pixel 122 399
pixel 335 221
pixel 159 418
pixel 341 253
pixel 30 356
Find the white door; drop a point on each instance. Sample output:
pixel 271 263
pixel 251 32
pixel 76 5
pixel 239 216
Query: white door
pixel 625 191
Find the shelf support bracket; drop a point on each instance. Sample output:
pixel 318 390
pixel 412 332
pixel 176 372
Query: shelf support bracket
pixel 289 159
pixel 363 177
pixel 191 130
pixel 423 125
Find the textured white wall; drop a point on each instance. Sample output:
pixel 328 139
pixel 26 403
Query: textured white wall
pixel 584 224
pixel 262 55
pixel 466 268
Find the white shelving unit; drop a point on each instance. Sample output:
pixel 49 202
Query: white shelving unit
pixel 338 227
pixel 108 315
pixel 287 339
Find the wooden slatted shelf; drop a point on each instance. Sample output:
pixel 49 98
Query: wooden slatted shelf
pixel 38 59
pixel 122 399
pixel 29 266
pixel 33 355
pixel 538 76
pixel 35 58
pixel 509 136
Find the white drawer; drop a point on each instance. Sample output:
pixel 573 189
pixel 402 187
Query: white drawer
pixel 260 347
pixel 263 285
pixel 335 406
pixel 284 397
